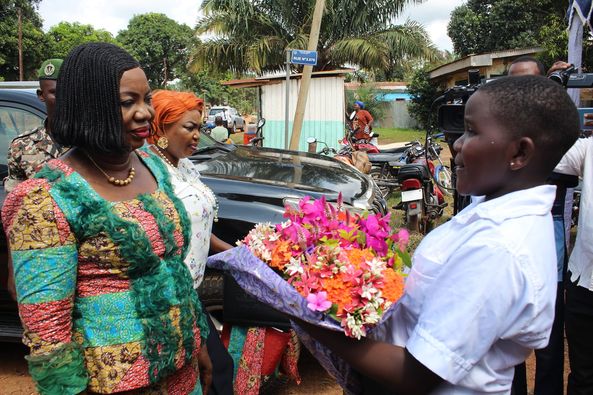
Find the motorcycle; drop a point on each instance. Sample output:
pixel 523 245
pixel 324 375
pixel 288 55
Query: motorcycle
pixel 346 154
pixel 257 141
pixel 421 184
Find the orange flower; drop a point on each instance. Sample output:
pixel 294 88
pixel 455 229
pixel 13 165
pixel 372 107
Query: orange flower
pixel 337 292
pixel 281 254
pixel 357 256
pixel 393 285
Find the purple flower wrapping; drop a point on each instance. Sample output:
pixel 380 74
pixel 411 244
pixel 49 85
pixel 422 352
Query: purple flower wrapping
pixel 260 281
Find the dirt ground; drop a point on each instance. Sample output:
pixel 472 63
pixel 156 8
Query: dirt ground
pixel 15 380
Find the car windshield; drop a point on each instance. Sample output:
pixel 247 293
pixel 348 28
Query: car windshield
pixel 207 142
pixel 215 111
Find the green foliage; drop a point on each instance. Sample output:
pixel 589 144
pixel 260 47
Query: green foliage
pixel 207 86
pixel 159 44
pixel 481 26
pixel 35 45
pixel 253 35
pixel 65 35
pixel 423 94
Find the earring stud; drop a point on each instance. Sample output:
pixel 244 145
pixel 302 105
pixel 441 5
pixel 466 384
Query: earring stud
pixel 162 142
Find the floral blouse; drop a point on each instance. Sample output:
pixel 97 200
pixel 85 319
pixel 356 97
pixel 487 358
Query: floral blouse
pixel 200 203
pixel 105 299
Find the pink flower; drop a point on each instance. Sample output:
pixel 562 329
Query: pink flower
pixel 402 237
pixel 305 283
pixel 318 301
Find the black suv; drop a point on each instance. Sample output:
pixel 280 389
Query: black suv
pixel 252 185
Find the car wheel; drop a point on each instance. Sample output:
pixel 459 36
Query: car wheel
pixel 211 293
pixel 379 176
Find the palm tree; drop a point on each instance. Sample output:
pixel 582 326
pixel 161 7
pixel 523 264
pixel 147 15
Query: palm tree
pixel 252 35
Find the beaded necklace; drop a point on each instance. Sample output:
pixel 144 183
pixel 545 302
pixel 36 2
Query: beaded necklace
pixel 111 179
pixel 198 185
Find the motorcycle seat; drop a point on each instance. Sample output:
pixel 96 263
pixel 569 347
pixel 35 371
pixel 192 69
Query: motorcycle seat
pixel 383 157
pixel 413 170
pixel 394 150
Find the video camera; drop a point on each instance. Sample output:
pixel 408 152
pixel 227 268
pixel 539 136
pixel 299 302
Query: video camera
pixel 571 78
pixel 450 113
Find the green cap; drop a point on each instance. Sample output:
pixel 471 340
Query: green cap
pixel 49 69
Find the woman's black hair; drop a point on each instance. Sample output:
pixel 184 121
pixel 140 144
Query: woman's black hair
pixel 88 111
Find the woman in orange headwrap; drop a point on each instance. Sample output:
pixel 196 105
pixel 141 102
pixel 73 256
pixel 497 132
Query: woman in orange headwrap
pixel 175 133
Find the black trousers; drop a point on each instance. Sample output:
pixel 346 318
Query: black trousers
pixel 579 335
pixel 222 363
pixel 549 361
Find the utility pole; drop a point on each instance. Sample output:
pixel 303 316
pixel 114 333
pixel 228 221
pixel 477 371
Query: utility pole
pixel 20 25
pixel 306 79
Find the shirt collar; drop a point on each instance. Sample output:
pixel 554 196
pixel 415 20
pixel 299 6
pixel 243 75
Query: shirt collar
pixel 533 201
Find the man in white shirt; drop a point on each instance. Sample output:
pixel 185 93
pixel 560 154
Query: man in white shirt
pixel 578 161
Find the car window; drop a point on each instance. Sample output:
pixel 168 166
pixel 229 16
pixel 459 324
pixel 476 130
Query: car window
pixel 15 121
pixel 215 111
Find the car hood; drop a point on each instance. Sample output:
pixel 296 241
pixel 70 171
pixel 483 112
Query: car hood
pixel 310 173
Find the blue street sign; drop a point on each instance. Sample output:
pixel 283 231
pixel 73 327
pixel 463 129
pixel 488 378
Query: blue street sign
pixel 298 56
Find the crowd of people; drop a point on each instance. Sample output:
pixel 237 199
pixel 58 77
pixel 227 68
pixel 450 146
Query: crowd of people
pixel 109 227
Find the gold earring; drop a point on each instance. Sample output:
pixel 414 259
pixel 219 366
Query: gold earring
pixel 162 142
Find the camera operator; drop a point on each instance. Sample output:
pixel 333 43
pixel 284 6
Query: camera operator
pixel 578 161
pixel 549 373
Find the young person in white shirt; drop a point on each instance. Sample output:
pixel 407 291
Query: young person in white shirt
pixel 480 294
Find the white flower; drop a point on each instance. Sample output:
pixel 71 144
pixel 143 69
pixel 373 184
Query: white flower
pixel 356 328
pixel 368 291
pixel 376 266
pixel 294 266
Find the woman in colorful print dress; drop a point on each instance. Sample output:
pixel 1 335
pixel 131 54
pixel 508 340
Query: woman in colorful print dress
pixel 98 241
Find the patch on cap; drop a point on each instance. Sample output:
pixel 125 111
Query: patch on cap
pixel 50 69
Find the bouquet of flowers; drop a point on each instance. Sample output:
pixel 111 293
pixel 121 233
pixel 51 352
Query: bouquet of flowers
pixel 348 266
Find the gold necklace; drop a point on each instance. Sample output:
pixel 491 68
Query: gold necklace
pixel 162 155
pixel 199 185
pixel 111 179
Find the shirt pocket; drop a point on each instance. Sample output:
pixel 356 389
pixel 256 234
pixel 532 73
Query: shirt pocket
pixel 423 275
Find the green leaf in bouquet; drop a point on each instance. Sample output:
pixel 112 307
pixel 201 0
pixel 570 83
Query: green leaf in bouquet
pixel 348 236
pixel 405 257
pixel 329 242
pixel 362 238
pixel 333 312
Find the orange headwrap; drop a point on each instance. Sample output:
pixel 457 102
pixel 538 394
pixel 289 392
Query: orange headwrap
pixel 169 107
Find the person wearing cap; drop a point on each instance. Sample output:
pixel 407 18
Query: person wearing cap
pixel 363 122
pixel 29 151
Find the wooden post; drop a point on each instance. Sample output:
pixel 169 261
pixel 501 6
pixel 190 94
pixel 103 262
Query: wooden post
pixel 306 79
pixel 20 44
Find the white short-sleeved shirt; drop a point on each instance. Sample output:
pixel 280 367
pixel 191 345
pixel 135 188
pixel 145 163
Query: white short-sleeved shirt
pixel 199 201
pixel 480 294
pixel 578 161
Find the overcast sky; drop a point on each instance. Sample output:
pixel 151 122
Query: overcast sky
pixel 113 15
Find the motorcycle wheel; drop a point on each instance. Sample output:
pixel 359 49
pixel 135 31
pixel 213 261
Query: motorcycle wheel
pixel 413 222
pixel 379 175
pixel 444 180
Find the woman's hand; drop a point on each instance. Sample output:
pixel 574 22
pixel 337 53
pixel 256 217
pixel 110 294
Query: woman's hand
pixel 205 367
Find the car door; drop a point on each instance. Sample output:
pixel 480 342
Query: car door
pixel 15 119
